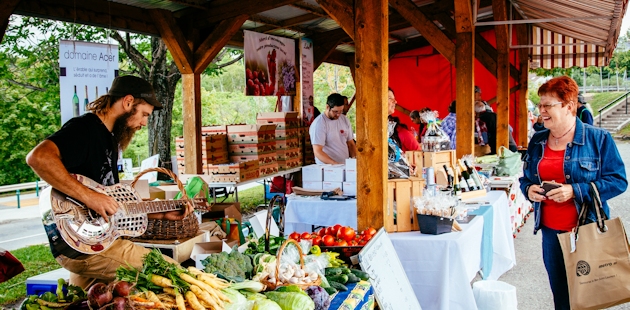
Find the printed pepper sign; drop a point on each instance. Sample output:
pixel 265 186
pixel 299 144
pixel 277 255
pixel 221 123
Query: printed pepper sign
pixel 270 67
pixel 9 266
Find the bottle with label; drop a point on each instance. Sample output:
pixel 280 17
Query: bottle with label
pixel 85 101
pixel 469 180
pixel 75 103
pixel 463 185
pixel 473 174
pixel 96 97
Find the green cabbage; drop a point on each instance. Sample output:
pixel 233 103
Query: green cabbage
pixel 237 300
pixel 266 304
pixel 291 301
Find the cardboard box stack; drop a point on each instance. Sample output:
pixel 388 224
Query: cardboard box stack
pixel 234 172
pixel 214 150
pixel 329 177
pixel 309 155
pixel 286 137
pixel 254 143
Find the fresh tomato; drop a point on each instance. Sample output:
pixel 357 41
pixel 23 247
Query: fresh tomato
pixel 335 229
pixel 341 242
pixel 295 236
pixel 353 243
pixel 305 235
pixel 321 232
pixel 346 233
pixel 328 240
pixel 367 238
pixel 362 242
pixel 369 231
pixel 317 240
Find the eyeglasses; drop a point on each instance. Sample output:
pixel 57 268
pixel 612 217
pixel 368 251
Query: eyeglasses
pixel 547 105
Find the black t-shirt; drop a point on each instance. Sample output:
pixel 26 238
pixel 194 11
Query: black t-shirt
pixel 490 118
pixel 88 148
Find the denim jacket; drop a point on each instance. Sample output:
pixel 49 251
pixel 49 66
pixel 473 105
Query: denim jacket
pixel 591 157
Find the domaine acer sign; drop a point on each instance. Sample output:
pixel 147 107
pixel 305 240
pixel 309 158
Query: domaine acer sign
pixel 86 70
pixel 270 67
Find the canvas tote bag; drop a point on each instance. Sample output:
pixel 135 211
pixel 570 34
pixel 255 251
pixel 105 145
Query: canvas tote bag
pixel 597 260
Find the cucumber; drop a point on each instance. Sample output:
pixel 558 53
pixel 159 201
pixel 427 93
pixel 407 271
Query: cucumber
pixel 345 270
pixel 353 278
pixel 342 278
pixel 332 271
pixel 331 291
pixel 338 286
pixel 362 275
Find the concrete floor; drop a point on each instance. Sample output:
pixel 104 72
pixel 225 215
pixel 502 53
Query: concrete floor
pixel 529 275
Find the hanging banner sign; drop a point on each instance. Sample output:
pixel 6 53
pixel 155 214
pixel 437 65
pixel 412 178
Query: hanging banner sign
pixel 86 71
pixel 308 110
pixel 270 67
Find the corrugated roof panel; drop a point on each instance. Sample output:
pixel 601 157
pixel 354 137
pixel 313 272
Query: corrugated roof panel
pixel 286 33
pixel 326 25
pixel 406 33
pixel 154 4
pixel 346 48
pixel 283 12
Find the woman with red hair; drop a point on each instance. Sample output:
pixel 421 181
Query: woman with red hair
pixel 572 154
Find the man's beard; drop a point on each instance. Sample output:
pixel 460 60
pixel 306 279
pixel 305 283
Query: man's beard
pixel 122 132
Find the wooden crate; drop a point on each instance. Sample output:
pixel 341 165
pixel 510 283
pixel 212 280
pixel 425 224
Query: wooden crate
pixel 401 191
pixel 180 249
pixel 473 194
pixel 415 158
pixel 437 160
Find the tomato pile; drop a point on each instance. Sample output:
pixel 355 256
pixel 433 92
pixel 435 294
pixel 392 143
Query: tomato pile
pixel 336 236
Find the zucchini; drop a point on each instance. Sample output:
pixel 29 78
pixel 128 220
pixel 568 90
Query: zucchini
pixel 330 290
pixel 338 286
pixel 361 274
pixel 342 278
pixel 353 278
pixel 332 271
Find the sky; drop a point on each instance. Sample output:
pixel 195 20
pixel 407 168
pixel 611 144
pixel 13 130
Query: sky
pixel 625 24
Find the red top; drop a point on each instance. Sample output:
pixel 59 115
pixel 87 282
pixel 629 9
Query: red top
pixel 407 140
pixel 559 216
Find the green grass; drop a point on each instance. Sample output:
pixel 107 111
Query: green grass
pixel 599 100
pixel 36 259
pixel 249 198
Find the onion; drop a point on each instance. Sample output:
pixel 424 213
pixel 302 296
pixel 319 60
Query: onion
pixel 119 303
pixel 122 288
pixel 99 295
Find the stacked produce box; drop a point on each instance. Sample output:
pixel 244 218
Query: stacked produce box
pixel 214 150
pixel 309 156
pixel 254 143
pixel 286 137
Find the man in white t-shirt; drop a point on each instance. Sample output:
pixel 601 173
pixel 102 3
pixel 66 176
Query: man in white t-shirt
pixel 331 134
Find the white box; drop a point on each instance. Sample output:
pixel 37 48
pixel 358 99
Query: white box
pixel 351 163
pixel 334 173
pixel 351 174
pixel 312 185
pixel 329 186
pixel 313 173
pixel 204 249
pixel 142 187
pixel 349 188
pixel 259 221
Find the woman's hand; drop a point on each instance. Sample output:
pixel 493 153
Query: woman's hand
pixel 534 193
pixel 561 194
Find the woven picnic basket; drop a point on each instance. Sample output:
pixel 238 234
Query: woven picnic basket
pixel 167 229
pixel 273 286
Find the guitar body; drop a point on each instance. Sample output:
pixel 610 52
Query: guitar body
pixel 86 231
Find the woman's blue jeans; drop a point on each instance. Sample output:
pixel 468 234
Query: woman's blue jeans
pixel 554 263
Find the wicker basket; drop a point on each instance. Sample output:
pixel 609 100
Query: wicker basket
pixel 166 229
pixel 273 286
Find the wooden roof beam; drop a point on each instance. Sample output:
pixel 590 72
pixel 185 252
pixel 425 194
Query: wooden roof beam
pixel 291 23
pixel 212 45
pixel 310 8
pixel 407 45
pixel 6 9
pixel 174 39
pixel 426 27
pixel 341 11
pixel 223 9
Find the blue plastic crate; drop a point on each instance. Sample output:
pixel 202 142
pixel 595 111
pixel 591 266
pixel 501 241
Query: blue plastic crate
pixel 45 282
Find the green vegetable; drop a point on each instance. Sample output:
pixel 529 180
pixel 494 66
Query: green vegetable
pixel 353 279
pixel 60 283
pixel 338 286
pixel 266 304
pixel 237 300
pixel 362 275
pixel 32 307
pixel 290 300
pixel 252 296
pixel 331 291
pixel 153 264
pixel 290 288
pixel 342 278
pixel 345 270
pixel 324 283
pixel 233 266
pixel 253 286
pixel 332 271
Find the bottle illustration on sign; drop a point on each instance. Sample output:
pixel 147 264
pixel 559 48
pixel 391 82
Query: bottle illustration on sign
pixel 86 101
pixel 96 93
pixel 75 102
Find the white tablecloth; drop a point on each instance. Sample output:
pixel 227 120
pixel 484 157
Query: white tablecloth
pixel 302 213
pixel 504 257
pixel 441 267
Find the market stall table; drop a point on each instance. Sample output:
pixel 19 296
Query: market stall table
pixel 304 212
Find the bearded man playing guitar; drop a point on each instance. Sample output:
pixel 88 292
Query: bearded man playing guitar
pixel 88 145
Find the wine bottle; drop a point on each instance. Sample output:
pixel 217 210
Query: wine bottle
pixel 449 178
pixel 473 174
pixel 462 182
pixel 469 180
pixel 85 101
pixel 96 93
pixel 75 103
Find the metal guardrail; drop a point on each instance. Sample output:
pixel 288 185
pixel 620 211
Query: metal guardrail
pixel 37 185
pixel 610 104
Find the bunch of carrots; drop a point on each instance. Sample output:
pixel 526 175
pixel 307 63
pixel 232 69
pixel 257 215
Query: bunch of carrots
pixel 161 284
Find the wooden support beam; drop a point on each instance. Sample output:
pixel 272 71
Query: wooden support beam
pixel 6 9
pixel 465 73
pixel 213 44
pixel 174 39
pixel 523 60
pixel 352 66
pixel 426 27
pixel 321 51
pixel 191 113
pixel 499 10
pixel 396 48
pixel 371 66
pixel 219 10
pixel 342 12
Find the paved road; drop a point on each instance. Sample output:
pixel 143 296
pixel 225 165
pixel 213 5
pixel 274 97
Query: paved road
pixel 17 234
pixel 529 275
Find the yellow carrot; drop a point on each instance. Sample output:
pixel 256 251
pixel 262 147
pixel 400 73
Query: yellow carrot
pixel 194 281
pixel 179 300
pixel 161 281
pixel 203 295
pixel 170 291
pixel 215 283
pixel 152 297
pixel 193 302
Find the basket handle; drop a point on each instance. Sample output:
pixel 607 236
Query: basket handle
pixel 165 171
pixel 281 249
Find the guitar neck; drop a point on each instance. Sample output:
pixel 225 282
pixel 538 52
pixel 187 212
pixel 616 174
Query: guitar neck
pixel 159 206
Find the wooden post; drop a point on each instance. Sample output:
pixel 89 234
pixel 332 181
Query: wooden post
pixel 465 57
pixel 371 39
pixel 523 59
pixel 503 74
pixel 191 113
pixel 6 9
